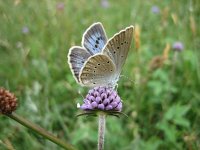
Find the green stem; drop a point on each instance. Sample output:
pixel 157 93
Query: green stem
pixel 101 132
pixel 41 131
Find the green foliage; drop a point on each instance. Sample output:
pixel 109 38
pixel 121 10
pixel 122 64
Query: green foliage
pixel 162 104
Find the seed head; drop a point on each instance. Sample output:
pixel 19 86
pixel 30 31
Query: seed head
pixel 8 102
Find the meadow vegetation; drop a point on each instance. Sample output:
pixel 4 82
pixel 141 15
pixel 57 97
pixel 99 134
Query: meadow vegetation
pixel 159 86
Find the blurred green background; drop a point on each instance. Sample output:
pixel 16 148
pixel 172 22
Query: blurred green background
pixel 160 87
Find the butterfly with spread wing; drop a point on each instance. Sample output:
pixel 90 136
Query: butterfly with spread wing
pixel 99 61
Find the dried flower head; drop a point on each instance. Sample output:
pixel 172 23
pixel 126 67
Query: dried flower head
pixel 158 61
pixel 102 99
pixel 8 102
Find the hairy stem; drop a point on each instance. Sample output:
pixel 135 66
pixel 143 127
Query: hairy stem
pixel 41 131
pixel 101 133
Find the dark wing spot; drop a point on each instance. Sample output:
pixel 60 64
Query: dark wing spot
pixel 98 38
pixel 96 46
pixel 118 47
pixel 121 43
pixel 108 62
pixel 111 70
pixel 94 83
pixel 95 67
pixel 122 56
pixel 97 41
pixel 98 64
pixel 114 52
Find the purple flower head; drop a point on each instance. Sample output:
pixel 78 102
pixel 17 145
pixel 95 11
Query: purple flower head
pixel 155 9
pixel 60 6
pixel 178 46
pixel 105 4
pixel 25 30
pixel 103 99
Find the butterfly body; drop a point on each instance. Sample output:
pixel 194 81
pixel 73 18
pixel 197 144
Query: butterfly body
pixel 99 61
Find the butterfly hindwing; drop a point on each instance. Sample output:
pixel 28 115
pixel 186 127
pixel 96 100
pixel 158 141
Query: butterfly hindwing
pixel 98 71
pixel 118 46
pixel 76 58
pixel 94 38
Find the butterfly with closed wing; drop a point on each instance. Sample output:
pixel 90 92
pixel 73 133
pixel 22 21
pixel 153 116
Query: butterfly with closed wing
pixel 99 61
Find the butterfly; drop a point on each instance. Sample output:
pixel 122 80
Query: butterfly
pixel 99 61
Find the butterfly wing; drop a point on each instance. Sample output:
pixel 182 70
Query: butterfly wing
pixel 118 46
pixel 98 70
pixel 76 58
pixel 94 38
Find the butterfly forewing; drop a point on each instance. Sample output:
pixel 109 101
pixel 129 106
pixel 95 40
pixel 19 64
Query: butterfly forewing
pixel 99 70
pixel 118 46
pixel 94 39
pixel 76 58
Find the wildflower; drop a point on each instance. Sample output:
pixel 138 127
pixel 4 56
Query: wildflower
pixel 155 9
pixel 105 4
pixel 25 30
pixel 60 6
pixel 102 99
pixel 178 46
pixel 8 102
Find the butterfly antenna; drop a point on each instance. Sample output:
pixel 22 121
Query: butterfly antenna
pixel 79 92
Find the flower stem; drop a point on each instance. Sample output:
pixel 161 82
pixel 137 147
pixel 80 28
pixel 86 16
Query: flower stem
pixel 101 134
pixel 41 131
